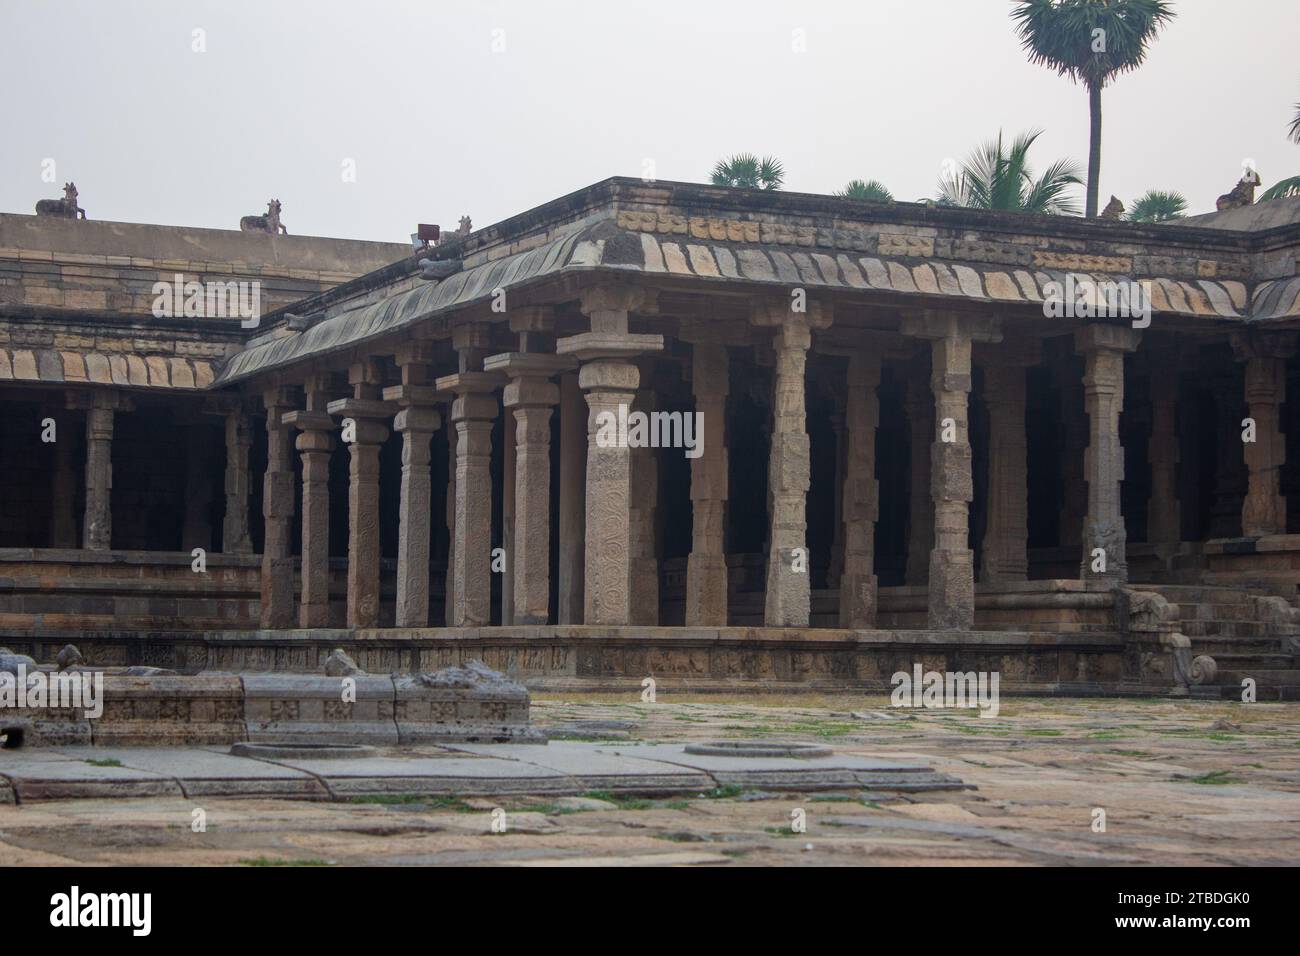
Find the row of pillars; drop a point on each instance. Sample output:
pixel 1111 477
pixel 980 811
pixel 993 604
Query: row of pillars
pixel 606 555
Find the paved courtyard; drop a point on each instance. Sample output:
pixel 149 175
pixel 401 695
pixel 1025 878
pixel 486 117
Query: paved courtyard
pixel 1179 783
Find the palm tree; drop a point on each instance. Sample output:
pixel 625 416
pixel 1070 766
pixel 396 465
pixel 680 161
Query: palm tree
pixel 1287 187
pixel 995 177
pixel 1091 42
pixel 1156 205
pixel 749 172
pixel 873 190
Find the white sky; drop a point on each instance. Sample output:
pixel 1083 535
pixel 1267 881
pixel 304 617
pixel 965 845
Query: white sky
pixel 440 125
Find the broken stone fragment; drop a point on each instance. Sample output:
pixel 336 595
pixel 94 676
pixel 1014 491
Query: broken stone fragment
pixel 339 664
pixel 473 674
pixel 70 656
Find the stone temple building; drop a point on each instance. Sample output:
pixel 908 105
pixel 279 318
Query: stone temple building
pixel 899 434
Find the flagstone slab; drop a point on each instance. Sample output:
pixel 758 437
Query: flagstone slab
pixel 72 777
pixel 596 769
pixel 208 772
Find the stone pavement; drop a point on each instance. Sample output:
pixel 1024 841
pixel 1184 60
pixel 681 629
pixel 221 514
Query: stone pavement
pixel 1185 782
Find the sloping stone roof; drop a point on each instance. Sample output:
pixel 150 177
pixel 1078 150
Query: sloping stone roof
pixel 1253 218
pixel 717 251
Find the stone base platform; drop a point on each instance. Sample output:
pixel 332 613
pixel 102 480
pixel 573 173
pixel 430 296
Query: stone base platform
pixel 748 660
pixel 559 769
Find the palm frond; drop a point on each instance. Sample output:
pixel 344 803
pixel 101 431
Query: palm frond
pixel 1157 205
pixel 1060 34
pixel 1287 187
pixel 871 190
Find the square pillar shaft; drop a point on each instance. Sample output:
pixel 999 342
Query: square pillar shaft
pixel 706 568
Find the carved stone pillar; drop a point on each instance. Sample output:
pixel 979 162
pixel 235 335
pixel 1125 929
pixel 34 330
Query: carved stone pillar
pixel 609 377
pixel 860 497
pixel 789 465
pixel 235 537
pixel 277 510
pixel 416 421
pixel 368 415
pixel 1103 347
pixel 706 568
pixel 473 413
pixel 449 587
pixel 1264 510
pixel 99 406
pixel 952 564
pixel 919 406
pixel 530 398
pixel 1004 557
pixel 1164 518
pixel 315 443
pixel 573 471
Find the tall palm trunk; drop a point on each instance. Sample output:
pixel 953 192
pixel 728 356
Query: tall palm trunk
pixel 1094 149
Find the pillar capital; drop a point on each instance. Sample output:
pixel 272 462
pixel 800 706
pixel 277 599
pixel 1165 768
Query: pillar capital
pixel 607 305
pixel 951 325
pixel 1247 345
pixel 1114 338
pixel 778 312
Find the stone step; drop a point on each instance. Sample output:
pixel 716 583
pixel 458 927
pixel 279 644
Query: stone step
pixel 1226 629
pixel 1244 662
pixel 1217 648
pixel 1200 594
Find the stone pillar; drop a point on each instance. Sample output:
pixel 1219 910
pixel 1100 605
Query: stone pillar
pixel 860 496
pixel 642 505
pixel 364 431
pixel 315 443
pixel 416 421
pixel 449 587
pixel 1264 510
pixel 63 516
pixel 952 563
pixel 529 399
pixel 473 413
pixel 508 543
pixel 235 537
pixel 277 510
pixel 788 592
pixel 99 406
pixel 1004 557
pixel 919 406
pixel 1164 518
pixel 1103 347
pixel 572 517
pixel 609 377
pixel 706 568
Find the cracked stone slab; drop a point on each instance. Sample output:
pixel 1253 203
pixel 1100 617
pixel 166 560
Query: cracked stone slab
pixel 211 773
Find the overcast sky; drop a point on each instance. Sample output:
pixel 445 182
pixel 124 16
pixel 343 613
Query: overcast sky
pixel 490 108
